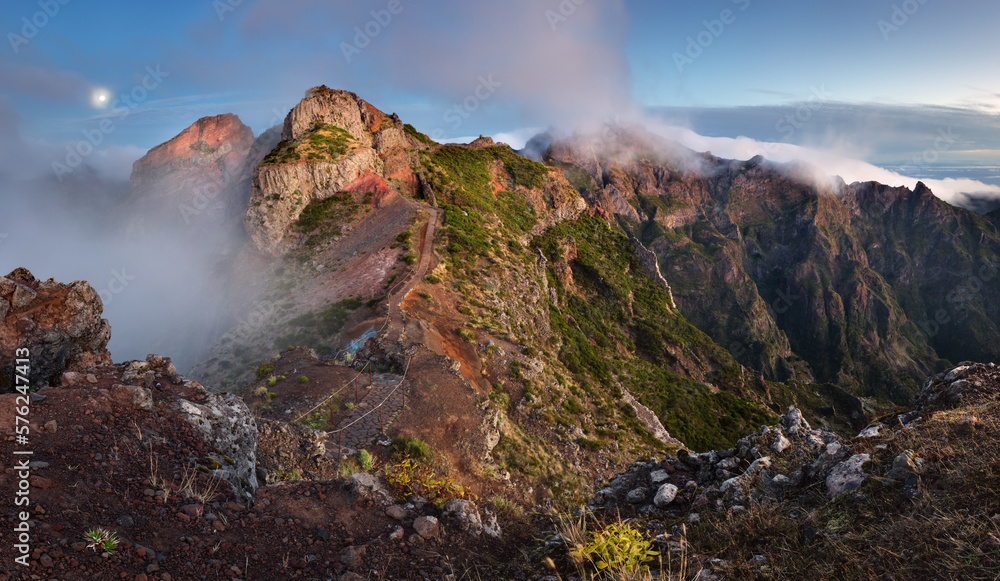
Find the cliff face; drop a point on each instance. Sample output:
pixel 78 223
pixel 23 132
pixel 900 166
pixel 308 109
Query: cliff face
pixel 60 325
pixel 192 182
pixel 329 140
pixel 858 285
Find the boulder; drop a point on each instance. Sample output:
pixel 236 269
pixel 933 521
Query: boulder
pixel 60 325
pixel 665 494
pixel 848 475
pixel 427 527
pixel 228 427
pixel 466 516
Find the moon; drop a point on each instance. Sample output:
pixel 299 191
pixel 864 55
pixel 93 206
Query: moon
pixel 100 98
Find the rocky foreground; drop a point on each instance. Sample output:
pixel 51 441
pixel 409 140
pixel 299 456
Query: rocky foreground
pixel 907 498
pixel 191 485
pixel 173 472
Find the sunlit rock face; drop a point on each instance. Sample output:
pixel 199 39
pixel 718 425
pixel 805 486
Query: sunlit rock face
pixel 58 327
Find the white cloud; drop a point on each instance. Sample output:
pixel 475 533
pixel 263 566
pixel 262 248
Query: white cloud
pixel 827 163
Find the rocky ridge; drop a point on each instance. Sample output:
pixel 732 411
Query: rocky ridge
pixel 825 283
pixel 192 182
pixel 283 185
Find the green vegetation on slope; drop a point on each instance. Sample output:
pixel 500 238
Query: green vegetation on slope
pixel 324 142
pixel 617 329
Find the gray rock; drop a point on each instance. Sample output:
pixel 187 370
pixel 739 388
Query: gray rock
pixel 22 297
pixel 665 495
pixel 729 463
pixel 396 512
pixel 226 425
pixel 904 467
pixel 780 444
pixel 135 397
pixel 465 514
pixel 793 422
pixel 871 431
pixel 636 496
pixel 848 475
pixel 658 476
pixel 368 486
pixel 960 372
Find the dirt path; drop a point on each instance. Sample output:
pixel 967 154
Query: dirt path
pixel 365 423
pixel 397 317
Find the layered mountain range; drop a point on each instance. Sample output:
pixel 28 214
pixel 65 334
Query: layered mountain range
pixel 407 326
pixel 863 285
pixel 711 290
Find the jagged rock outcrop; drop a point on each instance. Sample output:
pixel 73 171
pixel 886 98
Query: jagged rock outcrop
pixel 193 182
pixel 228 427
pixel 281 192
pixel 59 324
pixel 329 140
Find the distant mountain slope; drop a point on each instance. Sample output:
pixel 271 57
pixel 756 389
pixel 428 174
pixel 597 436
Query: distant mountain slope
pixel 840 284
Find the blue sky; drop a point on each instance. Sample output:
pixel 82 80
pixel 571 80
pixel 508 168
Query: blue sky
pixel 565 62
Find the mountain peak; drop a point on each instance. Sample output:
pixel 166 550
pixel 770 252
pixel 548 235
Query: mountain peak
pixel 204 137
pixel 342 109
pixel 191 177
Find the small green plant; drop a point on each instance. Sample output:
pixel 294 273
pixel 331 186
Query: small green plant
pixel 288 476
pixel 260 392
pixel 290 348
pixel 500 398
pixel 619 549
pixel 303 379
pixel 316 421
pixel 349 405
pixel 271 395
pixel 410 259
pixel 103 538
pixel 366 461
pixel 271 382
pixel 427 297
pixel 409 478
pixel 467 335
pixel 410 448
pixel 264 369
pixel 432 279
